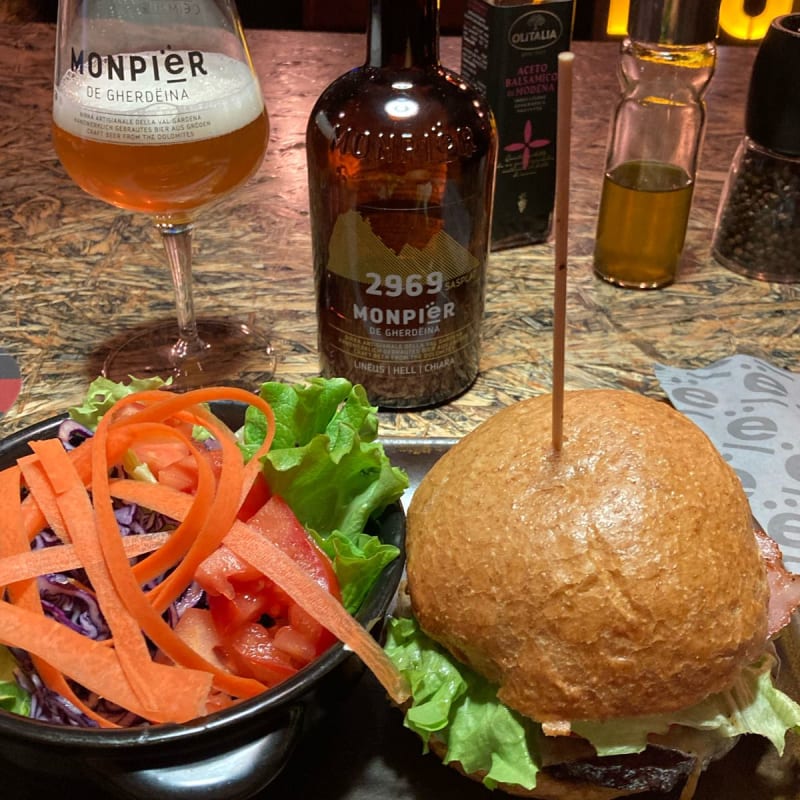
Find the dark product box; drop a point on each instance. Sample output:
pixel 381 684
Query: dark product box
pixel 510 53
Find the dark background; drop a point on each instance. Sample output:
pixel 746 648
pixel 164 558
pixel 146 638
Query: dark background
pixel 346 15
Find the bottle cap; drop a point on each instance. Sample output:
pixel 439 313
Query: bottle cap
pixel 673 21
pixel 772 116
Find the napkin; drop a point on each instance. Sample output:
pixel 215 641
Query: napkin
pixel 750 409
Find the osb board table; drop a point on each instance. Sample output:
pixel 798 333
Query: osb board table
pixel 77 273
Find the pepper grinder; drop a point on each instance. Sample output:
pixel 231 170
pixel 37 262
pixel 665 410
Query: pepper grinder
pixel 757 232
pixel 666 62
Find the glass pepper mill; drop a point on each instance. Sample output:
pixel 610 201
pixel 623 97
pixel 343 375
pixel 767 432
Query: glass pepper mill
pixel 757 233
pixel 666 62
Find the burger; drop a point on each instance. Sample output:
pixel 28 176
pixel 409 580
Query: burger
pixel 595 621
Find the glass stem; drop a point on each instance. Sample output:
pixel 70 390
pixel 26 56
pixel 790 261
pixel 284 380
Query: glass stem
pixel 177 238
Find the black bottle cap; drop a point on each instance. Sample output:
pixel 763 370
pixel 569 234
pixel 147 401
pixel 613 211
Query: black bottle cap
pixel 673 21
pixel 772 118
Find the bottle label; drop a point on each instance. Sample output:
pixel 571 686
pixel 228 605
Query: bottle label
pixel 511 51
pixel 408 311
pixel 163 97
pixel 403 148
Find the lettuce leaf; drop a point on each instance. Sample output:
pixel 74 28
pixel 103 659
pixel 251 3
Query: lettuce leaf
pixel 12 697
pixel 461 708
pixel 752 705
pixel 324 460
pixel 103 393
pixel 357 561
pixel 331 406
pixel 326 463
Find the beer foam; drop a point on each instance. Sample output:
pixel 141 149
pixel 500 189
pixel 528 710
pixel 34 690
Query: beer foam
pixel 156 97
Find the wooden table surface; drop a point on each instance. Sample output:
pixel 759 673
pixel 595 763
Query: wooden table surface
pixel 76 273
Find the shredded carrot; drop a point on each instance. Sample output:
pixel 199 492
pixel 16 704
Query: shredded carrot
pixel 73 494
pixel 59 499
pixel 269 559
pixel 140 605
pixel 33 518
pixel 29 564
pixel 45 501
pixel 25 594
pixel 91 663
pixel 182 539
pixel 234 481
pixel 162 693
pixel 12 539
pixel 160 405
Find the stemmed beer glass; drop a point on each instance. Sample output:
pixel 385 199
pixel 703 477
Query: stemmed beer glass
pixel 157 109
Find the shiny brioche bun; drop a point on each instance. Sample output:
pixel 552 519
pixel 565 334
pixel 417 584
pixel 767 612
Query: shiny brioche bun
pixel 615 578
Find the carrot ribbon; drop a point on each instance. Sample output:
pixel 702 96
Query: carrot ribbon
pixel 74 494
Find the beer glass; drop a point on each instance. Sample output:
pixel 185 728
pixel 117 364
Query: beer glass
pixel 157 109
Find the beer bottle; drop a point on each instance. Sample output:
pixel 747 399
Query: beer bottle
pixel 401 159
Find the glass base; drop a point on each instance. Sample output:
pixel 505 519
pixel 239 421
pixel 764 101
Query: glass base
pixel 232 354
pixel 635 283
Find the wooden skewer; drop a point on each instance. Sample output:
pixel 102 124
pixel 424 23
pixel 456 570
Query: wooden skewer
pixel 563 131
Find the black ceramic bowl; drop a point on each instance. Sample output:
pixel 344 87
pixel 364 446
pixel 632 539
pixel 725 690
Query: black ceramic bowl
pixel 231 754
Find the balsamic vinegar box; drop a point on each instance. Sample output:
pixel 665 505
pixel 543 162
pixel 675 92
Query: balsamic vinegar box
pixel 510 53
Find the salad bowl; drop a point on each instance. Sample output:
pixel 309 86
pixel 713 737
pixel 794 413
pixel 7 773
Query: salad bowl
pixel 230 754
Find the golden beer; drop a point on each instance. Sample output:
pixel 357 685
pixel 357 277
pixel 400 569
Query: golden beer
pixel 156 155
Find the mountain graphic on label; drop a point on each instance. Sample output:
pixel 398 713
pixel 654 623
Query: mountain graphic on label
pixel 355 250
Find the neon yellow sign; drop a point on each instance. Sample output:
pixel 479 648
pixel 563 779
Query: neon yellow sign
pixel 734 21
pixel 739 25
pixel 618 17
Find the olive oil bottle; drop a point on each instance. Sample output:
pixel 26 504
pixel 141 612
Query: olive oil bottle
pixel 401 159
pixel 666 63
pixel 642 224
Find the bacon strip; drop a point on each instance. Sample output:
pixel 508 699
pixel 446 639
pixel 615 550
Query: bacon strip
pixel 784 587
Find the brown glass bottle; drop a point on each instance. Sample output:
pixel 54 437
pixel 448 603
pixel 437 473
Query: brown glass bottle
pixel 401 158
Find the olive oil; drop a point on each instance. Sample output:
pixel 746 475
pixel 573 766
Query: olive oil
pixel 644 208
pixel 666 63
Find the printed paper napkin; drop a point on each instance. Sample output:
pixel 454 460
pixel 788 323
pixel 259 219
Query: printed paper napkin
pixel 751 411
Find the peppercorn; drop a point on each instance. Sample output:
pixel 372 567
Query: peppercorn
pixel 758 226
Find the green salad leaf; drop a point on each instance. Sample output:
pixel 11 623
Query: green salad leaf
pixel 461 708
pixel 324 461
pixel 12 697
pixel 103 393
pixel 327 464
pixel 752 705
pixel 357 560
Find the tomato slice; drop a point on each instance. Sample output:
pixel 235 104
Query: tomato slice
pixel 258 495
pixel 159 454
pixel 180 475
pixel 196 627
pixel 295 644
pixel 251 601
pixel 263 632
pixel 277 522
pixel 253 654
pixel 218 572
pixel 172 464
